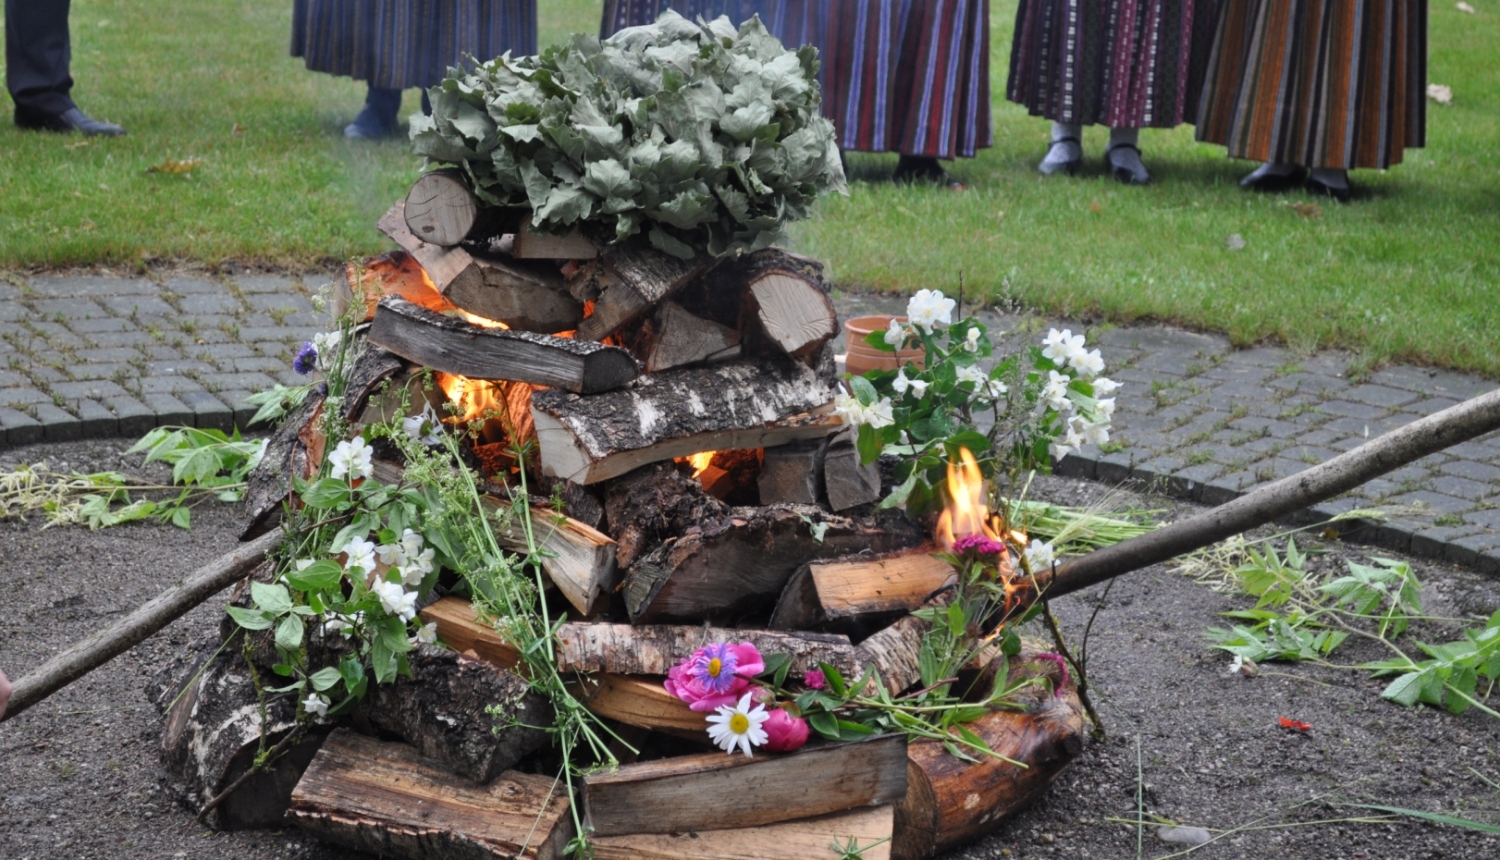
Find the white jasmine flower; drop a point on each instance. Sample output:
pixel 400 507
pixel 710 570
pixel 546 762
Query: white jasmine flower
pixel 876 415
pixel 1061 345
pixel 929 310
pixel 1096 433
pixel 351 459
pixel 902 384
pixel 1073 439
pixel 395 599
pixel 361 554
pixel 1059 450
pixel 342 624
pixel 971 341
pixel 995 389
pixel 971 373
pixel 316 705
pixel 1040 555
pixel 1241 666
pixel 1104 386
pixel 1087 364
pixel 879 414
pixel 739 726
pixel 850 409
pixel 411 543
pixel 897 334
pixel 423 427
pixel 1056 391
pixel 426 634
pixel 1105 408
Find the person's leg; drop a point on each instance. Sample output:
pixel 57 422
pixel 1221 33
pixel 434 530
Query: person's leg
pixel 1066 151
pixel 379 117
pixel 36 57
pixel 1123 155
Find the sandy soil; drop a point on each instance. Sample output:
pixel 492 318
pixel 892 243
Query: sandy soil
pixel 79 776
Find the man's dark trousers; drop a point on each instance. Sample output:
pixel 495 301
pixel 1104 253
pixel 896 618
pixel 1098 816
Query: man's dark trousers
pixel 37 54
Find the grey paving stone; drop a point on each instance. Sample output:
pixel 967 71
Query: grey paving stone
pixel 1471 470
pixel 185 285
pixel 9 293
pixel 135 417
pixel 96 421
pixel 56 337
pixel 1260 356
pixel 1463 488
pixel 259 364
pixel 222 352
pixel 243 411
pixel 171 384
pixel 110 353
pixel 13 312
pixel 1079 465
pixel 1113 468
pixel 139 305
pixel 313 321
pixel 238 381
pixel 211 413
pixel 1133 377
pixel 79 308
pixel 265 283
pixel 20 397
pixel 101 370
pixel 43 376
pixel 1431 405
pixel 71 286
pixel 106 340
pixel 162 353
pixel 1232 371
pixel 1488 520
pixel 1477 451
pixel 1219 490
pixel 1458 386
pixel 288 300
pixel 102 324
pixel 1438 503
pixel 1349 409
pixel 18 428
pixel 1432 541
pixel 210 303
pixel 12 379
pixel 168 409
pixel 177 365
pixel 1380 395
pixel 1418 379
pixel 283 334
pixel 92 389
pixel 58 425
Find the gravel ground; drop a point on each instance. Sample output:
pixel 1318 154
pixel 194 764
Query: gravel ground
pixel 79 776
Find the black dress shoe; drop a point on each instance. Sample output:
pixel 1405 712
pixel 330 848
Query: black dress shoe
pixel 1261 179
pixel 912 169
pixel 1319 188
pixel 69 120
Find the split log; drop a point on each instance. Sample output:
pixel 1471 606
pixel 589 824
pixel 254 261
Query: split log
pixel 643 703
pixel 524 295
pixel 105 645
pixel 804 839
pixel 893 652
pixel 739 564
pixel 848 482
pixel 441 710
pixel 578 559
pixel 676 338
pixel 654 503
pixel 460 627
pixel 295 450
pixel 454 346
pixel 748 404
pixel 792 473
pixel 531 245
pixel 677 795
pixel 790 299
pixel 441 210
pixel 625 649
pixel 861 591
pixel 212 736
pixel 384 798
pixel 639 278
pixel 950 801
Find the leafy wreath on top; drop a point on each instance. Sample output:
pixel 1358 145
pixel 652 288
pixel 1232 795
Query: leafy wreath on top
pixel 698 135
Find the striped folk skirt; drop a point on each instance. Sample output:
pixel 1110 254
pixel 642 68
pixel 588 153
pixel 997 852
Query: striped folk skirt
pixel 909 76
pixel 1320 83
pixel 396 44
pixel 1119 63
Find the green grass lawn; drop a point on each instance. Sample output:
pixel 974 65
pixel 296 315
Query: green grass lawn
pixel 1409 272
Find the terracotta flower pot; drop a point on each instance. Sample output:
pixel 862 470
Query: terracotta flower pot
pixel 863 357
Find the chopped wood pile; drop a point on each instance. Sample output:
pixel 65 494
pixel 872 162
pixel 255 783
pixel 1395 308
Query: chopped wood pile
pixel 695 488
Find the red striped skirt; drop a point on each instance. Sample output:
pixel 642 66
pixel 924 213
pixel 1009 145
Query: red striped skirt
pixel 1320 83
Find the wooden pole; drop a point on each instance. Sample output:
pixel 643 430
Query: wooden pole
pixel 1395 449
pixel 162 610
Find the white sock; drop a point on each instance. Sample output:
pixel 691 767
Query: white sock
pixel 1124 137
pixel 1061 130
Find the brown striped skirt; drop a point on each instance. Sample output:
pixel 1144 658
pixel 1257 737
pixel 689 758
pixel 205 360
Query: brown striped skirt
pixel 408 43
pixel 909 76
pixel 1320 83
pixel 1119 63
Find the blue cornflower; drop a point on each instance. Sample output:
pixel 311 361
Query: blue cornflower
pixel 307 358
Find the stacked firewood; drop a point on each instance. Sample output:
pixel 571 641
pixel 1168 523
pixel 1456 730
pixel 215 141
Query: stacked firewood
pixel 681 411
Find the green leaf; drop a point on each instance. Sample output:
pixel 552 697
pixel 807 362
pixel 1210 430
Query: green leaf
pixel 352 671
pixel 1404 690
pixel 849 729
pixel 773 663
pixel 835 680
pixel 289 632
pixel 863 390
pixel 325 678
pixel 1431 816
pixel 824 724
pixel 249 619
pixel 272 597
pixel 321 575
pixel 326 493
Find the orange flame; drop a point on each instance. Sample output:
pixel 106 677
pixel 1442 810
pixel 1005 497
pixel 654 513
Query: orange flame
pixel 480 321
pixel 698 461
pixel 966 513
pixel 474 397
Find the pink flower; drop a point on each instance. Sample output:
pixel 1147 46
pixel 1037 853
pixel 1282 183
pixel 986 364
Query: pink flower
pixel 706 686
pixel 1062 666
pixel 982 544
pixel 784 732
pixel 815 680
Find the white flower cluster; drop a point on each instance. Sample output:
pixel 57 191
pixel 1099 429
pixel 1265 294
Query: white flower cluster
pixel 396 599
pixel 1067 350
pixel 915 386
pixel 877 414
pixel 928 310
pixel 327 345
pixel 410 556
pixel 984 387
pixel 351 459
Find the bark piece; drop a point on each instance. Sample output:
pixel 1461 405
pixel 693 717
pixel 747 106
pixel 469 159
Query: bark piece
pixel 372 367
pixel 211 738
pixel 644 703
pixel 803 839
pixel 860 591
pixel 739 564
pixel 680 794
pixel 745 404
pixel 461 628
pixel 454 346
pixel 651 504
pixel 293 451
pixel 793 473
pixel 950 801
pixel 440 710
pixel 386 799
pixel 441 210
pixel 848 482
pixel 676 338
pixel 639 278
pixel 626 649
pixel 790 299
pixel 531 245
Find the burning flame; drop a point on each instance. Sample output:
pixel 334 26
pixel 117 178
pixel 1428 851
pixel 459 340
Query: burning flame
pixel 967 513
pixel 698 461
pixel 480 321
pixel 474 397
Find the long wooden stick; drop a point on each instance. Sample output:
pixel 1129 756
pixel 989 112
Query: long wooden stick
pixel 1395 449
pixel 162 610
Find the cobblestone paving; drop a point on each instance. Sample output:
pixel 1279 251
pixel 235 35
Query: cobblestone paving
pixel 84 356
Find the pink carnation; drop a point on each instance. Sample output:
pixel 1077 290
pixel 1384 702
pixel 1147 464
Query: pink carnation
pixel 982 544
pixel 784 732
pixel 815 680
pixel 706 685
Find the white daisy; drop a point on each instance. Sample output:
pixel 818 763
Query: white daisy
pixel 739 726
